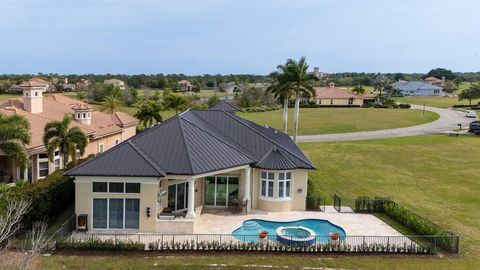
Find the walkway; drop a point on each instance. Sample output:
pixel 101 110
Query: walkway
pixel 449 120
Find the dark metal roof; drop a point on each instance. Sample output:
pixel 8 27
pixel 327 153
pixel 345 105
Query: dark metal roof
pixel 275 160
pixel 414 85
pixel 226 106
pixel 196 142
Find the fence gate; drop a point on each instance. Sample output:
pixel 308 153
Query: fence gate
pixel 337 203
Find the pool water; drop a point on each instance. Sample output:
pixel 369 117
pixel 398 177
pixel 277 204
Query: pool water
pixel 248 232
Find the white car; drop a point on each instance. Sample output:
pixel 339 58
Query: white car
pixel 471 114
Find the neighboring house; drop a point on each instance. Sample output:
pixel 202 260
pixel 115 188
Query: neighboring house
pixel 103 130
pixel 116 82
pixel 45 86
pixel 185 86
pixel 230 87
pixel 417 88
pixel 334 96
pixel 200 160
pixel 436 81
pixel 320 75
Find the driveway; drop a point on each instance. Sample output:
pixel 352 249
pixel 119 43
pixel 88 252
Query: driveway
pixel 449 119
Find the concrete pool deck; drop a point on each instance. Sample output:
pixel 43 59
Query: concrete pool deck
pixel 224 222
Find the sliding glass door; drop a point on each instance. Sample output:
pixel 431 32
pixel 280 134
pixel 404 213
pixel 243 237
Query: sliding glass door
pixel 116 213
pixel 178 196
pixel 220 189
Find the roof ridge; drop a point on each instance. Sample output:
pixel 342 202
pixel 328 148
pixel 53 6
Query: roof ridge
pixel 187 147
pixel 265 156
pixel 216 136
pixel 222 141
pixel 147 158
pixel 274 142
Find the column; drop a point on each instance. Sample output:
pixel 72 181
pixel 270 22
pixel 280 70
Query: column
pixel 246 196
pixel 191 199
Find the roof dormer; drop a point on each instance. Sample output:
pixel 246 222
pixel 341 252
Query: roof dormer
pixel 82 113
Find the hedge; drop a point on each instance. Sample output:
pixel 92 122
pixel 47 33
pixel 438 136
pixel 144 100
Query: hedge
pixel 108 245
pixel 49 197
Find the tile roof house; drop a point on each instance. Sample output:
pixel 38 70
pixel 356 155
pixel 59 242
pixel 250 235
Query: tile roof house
pixel 103 130
pixel 185 86
pixel 198 160
pixel 116 82
pixel 435 81
pixel 332 96
pixel 417 88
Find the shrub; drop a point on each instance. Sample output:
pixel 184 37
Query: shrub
pixel 49 197
pixel 405 106
pixel 108 245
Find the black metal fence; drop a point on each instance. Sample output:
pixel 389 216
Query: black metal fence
pixel 337 203
pixel 316 203
pixel 272 243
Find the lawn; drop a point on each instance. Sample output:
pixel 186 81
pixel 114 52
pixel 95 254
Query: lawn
pixel 342 120
pixel 440 102
pixel 4 97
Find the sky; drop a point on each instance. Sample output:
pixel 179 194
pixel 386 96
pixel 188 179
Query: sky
pixel 237 37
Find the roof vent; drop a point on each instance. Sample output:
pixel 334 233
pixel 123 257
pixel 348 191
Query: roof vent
pixel 266 126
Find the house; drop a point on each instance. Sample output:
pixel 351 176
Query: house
pixel 116 82
pixel 436 81
pixel 200 160
pixel 37 82
pixel 333 96
pixel 417 88
pixel 103 130
pixel 185 86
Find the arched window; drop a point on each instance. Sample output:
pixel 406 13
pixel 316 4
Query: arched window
pixel 36 93
pixel 78 115
pixel 84 115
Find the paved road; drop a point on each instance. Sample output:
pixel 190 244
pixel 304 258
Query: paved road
pixel 449 119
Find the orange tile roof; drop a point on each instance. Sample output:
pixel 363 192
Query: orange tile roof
pixel 333 92
pixel 55 107
pixel 433 79
pixel 81 107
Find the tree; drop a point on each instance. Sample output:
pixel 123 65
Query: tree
pixel 14 135
pixel 358 90
pixel 149 113
pixel 111 104
pixel 473 92
pixel 441 72
pixel 175 101
pixel 294 75
pixel 380 83
pixel 282 92
pixel 58 135
pixel 450 87
pixel 212 101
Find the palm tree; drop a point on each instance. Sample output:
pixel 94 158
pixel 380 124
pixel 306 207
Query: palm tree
pixel 149 113
pixel 14 135
pixel 294 76
pixel 283 93
pixel 174 101
pixel 57 135
pixel 111 104
pixel 358 90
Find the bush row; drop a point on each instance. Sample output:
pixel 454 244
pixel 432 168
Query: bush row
pixel 315 203
pixel 49 197
pixel 263 108
pixel 108 245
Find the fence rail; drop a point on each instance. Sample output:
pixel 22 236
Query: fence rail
pixel 230 242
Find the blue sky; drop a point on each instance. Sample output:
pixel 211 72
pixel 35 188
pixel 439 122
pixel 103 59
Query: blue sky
pixel 198 37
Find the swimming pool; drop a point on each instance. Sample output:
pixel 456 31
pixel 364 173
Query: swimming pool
pixel 303 229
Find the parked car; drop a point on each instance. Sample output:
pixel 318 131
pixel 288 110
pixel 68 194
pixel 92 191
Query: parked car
pixel 474 127
pixel 471 114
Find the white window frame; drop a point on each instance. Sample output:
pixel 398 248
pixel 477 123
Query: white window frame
pixel 124 187
pixel 40 160
pixel 101 148
pixel 264 184
pixel 55 159
pixel 283 182
pixel 108 213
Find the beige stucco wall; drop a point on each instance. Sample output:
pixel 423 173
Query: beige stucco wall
pixel 339 102
pixel 298 193
pixel 148 198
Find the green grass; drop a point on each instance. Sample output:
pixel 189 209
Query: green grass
pixel 439 102
pixel 4 97
pixel 342 120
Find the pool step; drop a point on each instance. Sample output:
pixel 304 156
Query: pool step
pixel 250 225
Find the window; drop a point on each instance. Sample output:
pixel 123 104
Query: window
pixel 43 165
pixel 100 213
pixel 78 115
pixel 132 187
pixel 331 101
pixel 178 196
pixel 99 187
pixel 350 101
pixel 267 179
pixel 320 101
pixel 117 141
pixel 284 182
pixel 84 115
pixel 115 215
pixel 100 148
pixel 56 160
pixel 116 187
pixel 219 190
pixel 132 213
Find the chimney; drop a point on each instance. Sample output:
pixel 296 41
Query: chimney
pixel 316 72
pixel 82 113
pixel 33 95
